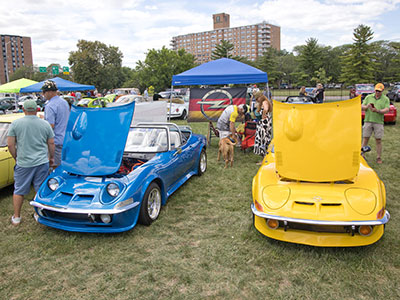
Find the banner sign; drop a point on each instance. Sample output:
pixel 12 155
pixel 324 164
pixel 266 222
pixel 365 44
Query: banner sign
pixel 207 104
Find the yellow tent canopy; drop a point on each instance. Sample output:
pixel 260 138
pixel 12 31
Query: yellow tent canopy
pixel 16 85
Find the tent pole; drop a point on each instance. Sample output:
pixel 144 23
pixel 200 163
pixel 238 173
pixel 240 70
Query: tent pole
pixel 170 104
pixel 267 86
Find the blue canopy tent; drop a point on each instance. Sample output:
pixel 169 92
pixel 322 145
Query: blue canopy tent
pixel 62 85
pixel 220 71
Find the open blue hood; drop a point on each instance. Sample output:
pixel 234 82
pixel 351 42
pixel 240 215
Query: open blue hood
pixel 95 139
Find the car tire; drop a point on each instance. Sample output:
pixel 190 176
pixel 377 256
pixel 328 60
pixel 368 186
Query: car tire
pixel 396 98
pixel 151 205
pixel 184 115
pixel 202 167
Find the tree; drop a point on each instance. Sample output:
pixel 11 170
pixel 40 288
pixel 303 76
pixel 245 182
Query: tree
pixel 223 49
pixel 358 61
pixel 310 57
pixel 97 64
pixel 387 63
pixel 159 66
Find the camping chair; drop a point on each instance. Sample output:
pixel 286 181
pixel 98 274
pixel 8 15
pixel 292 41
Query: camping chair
pixel 211 131
pixel 250 128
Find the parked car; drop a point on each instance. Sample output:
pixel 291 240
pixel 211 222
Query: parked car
pixel 394 93
pixel 7 163
pixel 6 104
pixel 178 108
pixel 93 102
pixel 364 89
pixel 314 187
pixel 129 99
pixel 389 118
pixel 70 99
pixel 108 182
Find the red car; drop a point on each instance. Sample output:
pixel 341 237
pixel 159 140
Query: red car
pixel 389 118
pixel 364 89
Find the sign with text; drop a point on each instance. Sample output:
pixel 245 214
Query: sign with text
pixel 55 70
pixel 42 69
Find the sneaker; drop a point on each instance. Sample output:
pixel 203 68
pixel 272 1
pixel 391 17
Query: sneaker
pixel 15 221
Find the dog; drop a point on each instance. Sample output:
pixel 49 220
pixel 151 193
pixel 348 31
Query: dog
pixel 227 149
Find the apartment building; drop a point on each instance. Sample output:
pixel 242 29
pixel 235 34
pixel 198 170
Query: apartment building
pixel 249 41
pixel 16 51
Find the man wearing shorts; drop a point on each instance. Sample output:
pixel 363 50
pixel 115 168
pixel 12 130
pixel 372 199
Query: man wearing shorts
pixel 31 143
pixel 375 106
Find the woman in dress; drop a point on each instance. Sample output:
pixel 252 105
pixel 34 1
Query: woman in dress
pixel 264 125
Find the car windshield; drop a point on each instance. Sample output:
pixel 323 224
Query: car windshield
pixel 365 87
pixel 3 134
pixel 147 139
pixel 84 101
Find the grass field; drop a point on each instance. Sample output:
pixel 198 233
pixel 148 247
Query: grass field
pixel 203 246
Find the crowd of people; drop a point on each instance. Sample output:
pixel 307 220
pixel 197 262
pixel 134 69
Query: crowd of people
pixel 375 106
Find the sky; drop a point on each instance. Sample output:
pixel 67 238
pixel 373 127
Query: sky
pixel 135 26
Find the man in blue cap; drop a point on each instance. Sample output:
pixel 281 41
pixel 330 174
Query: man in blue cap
pixel 56 112
pixel 31 143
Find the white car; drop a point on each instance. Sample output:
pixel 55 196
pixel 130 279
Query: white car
pixel 178 108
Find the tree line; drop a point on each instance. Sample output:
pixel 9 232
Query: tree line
pixel 362 61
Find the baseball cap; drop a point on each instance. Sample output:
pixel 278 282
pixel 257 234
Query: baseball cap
pixel 379 87
pixel 244 107
pixel 49 85
pixel 30 105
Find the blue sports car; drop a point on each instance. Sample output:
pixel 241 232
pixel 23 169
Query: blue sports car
pixel 113 175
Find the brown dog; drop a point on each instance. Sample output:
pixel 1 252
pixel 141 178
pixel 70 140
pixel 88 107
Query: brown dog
pixel 227 148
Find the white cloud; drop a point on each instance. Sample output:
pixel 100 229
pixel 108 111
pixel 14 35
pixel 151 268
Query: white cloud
pixel 55 26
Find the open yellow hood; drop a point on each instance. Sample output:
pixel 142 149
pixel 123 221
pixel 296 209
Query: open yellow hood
pixel 317 142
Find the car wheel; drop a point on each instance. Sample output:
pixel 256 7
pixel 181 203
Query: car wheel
pixel 202 163
pixel 184 115
pixel 151 205
pixel 396 98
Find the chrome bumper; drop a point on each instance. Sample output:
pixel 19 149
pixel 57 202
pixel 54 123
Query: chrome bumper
pixel 382 221
pixel 85 211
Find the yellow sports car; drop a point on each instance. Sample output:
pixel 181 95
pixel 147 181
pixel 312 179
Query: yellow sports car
pixel 314 187
pixel 6 161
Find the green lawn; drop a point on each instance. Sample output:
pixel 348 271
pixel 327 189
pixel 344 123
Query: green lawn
pixel 203 246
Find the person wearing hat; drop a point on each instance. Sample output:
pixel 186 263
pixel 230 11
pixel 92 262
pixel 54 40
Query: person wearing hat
pixel 30 141
pixel 375 106
pixel 226 122
pixel 56 112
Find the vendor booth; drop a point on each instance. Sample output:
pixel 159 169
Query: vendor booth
pixel 206 105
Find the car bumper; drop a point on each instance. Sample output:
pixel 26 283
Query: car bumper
pixel 87 220
pixel 319 233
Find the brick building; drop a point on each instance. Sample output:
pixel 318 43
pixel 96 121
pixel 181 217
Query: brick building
pixel 249 41
pixel 16 51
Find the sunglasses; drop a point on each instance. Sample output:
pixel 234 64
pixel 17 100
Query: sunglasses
pixel 378 91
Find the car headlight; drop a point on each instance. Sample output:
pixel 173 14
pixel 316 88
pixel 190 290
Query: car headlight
pixel 113 189
pixel 53 184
